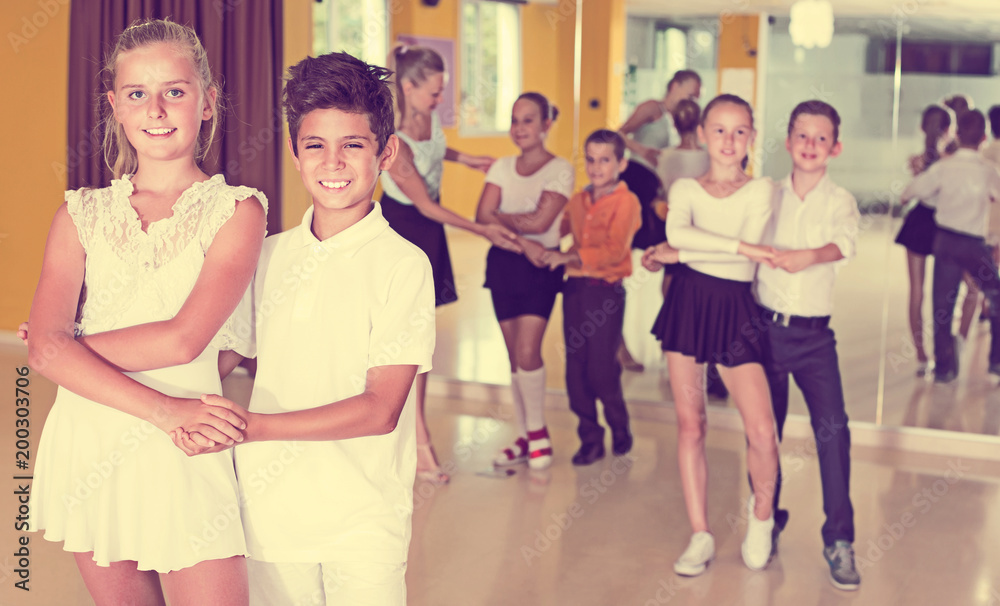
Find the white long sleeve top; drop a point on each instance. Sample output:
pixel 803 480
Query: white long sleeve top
pixel 708 230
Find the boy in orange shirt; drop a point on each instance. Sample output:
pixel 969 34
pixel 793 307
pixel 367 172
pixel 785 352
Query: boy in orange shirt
pixel 603 218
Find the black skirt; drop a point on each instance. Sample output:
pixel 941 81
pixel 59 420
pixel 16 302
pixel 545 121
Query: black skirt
pixel 518 288
pixel 711 319
pixel 429 236
pixel 918 230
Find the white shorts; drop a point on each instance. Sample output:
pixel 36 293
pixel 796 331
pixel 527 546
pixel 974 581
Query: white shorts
pixel 326 583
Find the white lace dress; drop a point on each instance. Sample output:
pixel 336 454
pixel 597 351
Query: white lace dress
pixel 106 481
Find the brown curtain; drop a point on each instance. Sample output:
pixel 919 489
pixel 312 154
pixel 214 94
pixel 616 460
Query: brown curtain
pixel 243 39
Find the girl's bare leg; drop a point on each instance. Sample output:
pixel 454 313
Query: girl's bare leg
pixel 120 583
pixel 917 266
pixel 748 386
pixel 687 383
pixel 209 583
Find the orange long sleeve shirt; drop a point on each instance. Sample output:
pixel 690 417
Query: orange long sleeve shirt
pixel 602 232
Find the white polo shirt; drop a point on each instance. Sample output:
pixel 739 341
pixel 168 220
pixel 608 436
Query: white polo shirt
pixel 828 214
pixel 326 312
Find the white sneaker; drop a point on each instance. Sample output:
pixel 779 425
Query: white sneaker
pixel 757 544
pixel 700 551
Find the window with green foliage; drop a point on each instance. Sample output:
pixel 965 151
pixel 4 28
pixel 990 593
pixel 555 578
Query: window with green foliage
pixel 356 27
pixel 490 57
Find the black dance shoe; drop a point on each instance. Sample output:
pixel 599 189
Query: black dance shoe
pixel 588 454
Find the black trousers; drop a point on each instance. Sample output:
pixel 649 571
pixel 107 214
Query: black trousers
pixel 593 311
pixel 809 355
pixel 954 254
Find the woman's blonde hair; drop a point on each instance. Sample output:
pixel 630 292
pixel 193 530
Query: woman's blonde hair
pixel 119 154
pixel 413 63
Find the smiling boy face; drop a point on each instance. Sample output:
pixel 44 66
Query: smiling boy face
pixel 339 161
pixel 811 142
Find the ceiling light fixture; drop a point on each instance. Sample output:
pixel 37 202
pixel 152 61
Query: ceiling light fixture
pixel 811 23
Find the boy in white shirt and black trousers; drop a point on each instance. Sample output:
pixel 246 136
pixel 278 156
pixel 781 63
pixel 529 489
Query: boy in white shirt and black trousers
pixel 961 187
pixel 813 227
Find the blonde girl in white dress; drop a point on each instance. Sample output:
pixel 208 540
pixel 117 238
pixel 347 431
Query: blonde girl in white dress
pixel 163 257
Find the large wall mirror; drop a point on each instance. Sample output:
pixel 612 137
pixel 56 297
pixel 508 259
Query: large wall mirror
pixel 881 104
pixel 880 71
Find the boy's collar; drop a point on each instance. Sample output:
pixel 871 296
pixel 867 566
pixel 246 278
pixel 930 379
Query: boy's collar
pixel 348 241
pixel 790 185
pixel 618 185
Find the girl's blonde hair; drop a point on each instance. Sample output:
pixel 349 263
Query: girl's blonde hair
pixel 119 154
pixel 413 63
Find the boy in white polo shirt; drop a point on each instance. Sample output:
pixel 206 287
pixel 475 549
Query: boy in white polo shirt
pixel 961 187
pixel 344 320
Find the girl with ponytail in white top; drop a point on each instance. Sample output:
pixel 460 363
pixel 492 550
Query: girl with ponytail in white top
pixel 411 199
pixel 716 222
pixel 526 193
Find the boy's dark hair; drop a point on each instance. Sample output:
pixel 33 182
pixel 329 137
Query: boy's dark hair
pixel 815 107
pixel 971 127
pixel 994 115
pixel 610 137
pixel 339 81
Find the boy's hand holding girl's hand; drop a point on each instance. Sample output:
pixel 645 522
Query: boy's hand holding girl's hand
pixel 210 424
pixel 794 260
pixel 655 257
pixel 534 252
pixel 758 253
pixel 554 258
pixel 501 236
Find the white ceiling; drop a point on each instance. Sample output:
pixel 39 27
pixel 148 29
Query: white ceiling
pixel 961 10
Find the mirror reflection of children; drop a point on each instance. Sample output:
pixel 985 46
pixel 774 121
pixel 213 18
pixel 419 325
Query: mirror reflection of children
pixel 647 133
pixel 917 231
pixel 526 194
pixel 962 188
pixel 602 218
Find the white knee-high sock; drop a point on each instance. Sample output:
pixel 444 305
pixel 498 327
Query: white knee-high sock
pixel 532 384
pixel 519 418
pixel 533 389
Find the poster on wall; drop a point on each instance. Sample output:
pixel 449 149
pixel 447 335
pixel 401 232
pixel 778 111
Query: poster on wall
pixel 446 109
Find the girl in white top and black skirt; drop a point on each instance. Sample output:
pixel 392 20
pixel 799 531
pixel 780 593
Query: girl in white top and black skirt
pixel 411 204
pixel 708 315
pixel 526 194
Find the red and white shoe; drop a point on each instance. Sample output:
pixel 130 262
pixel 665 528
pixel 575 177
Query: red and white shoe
pixel 514 455
pixel 539 449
